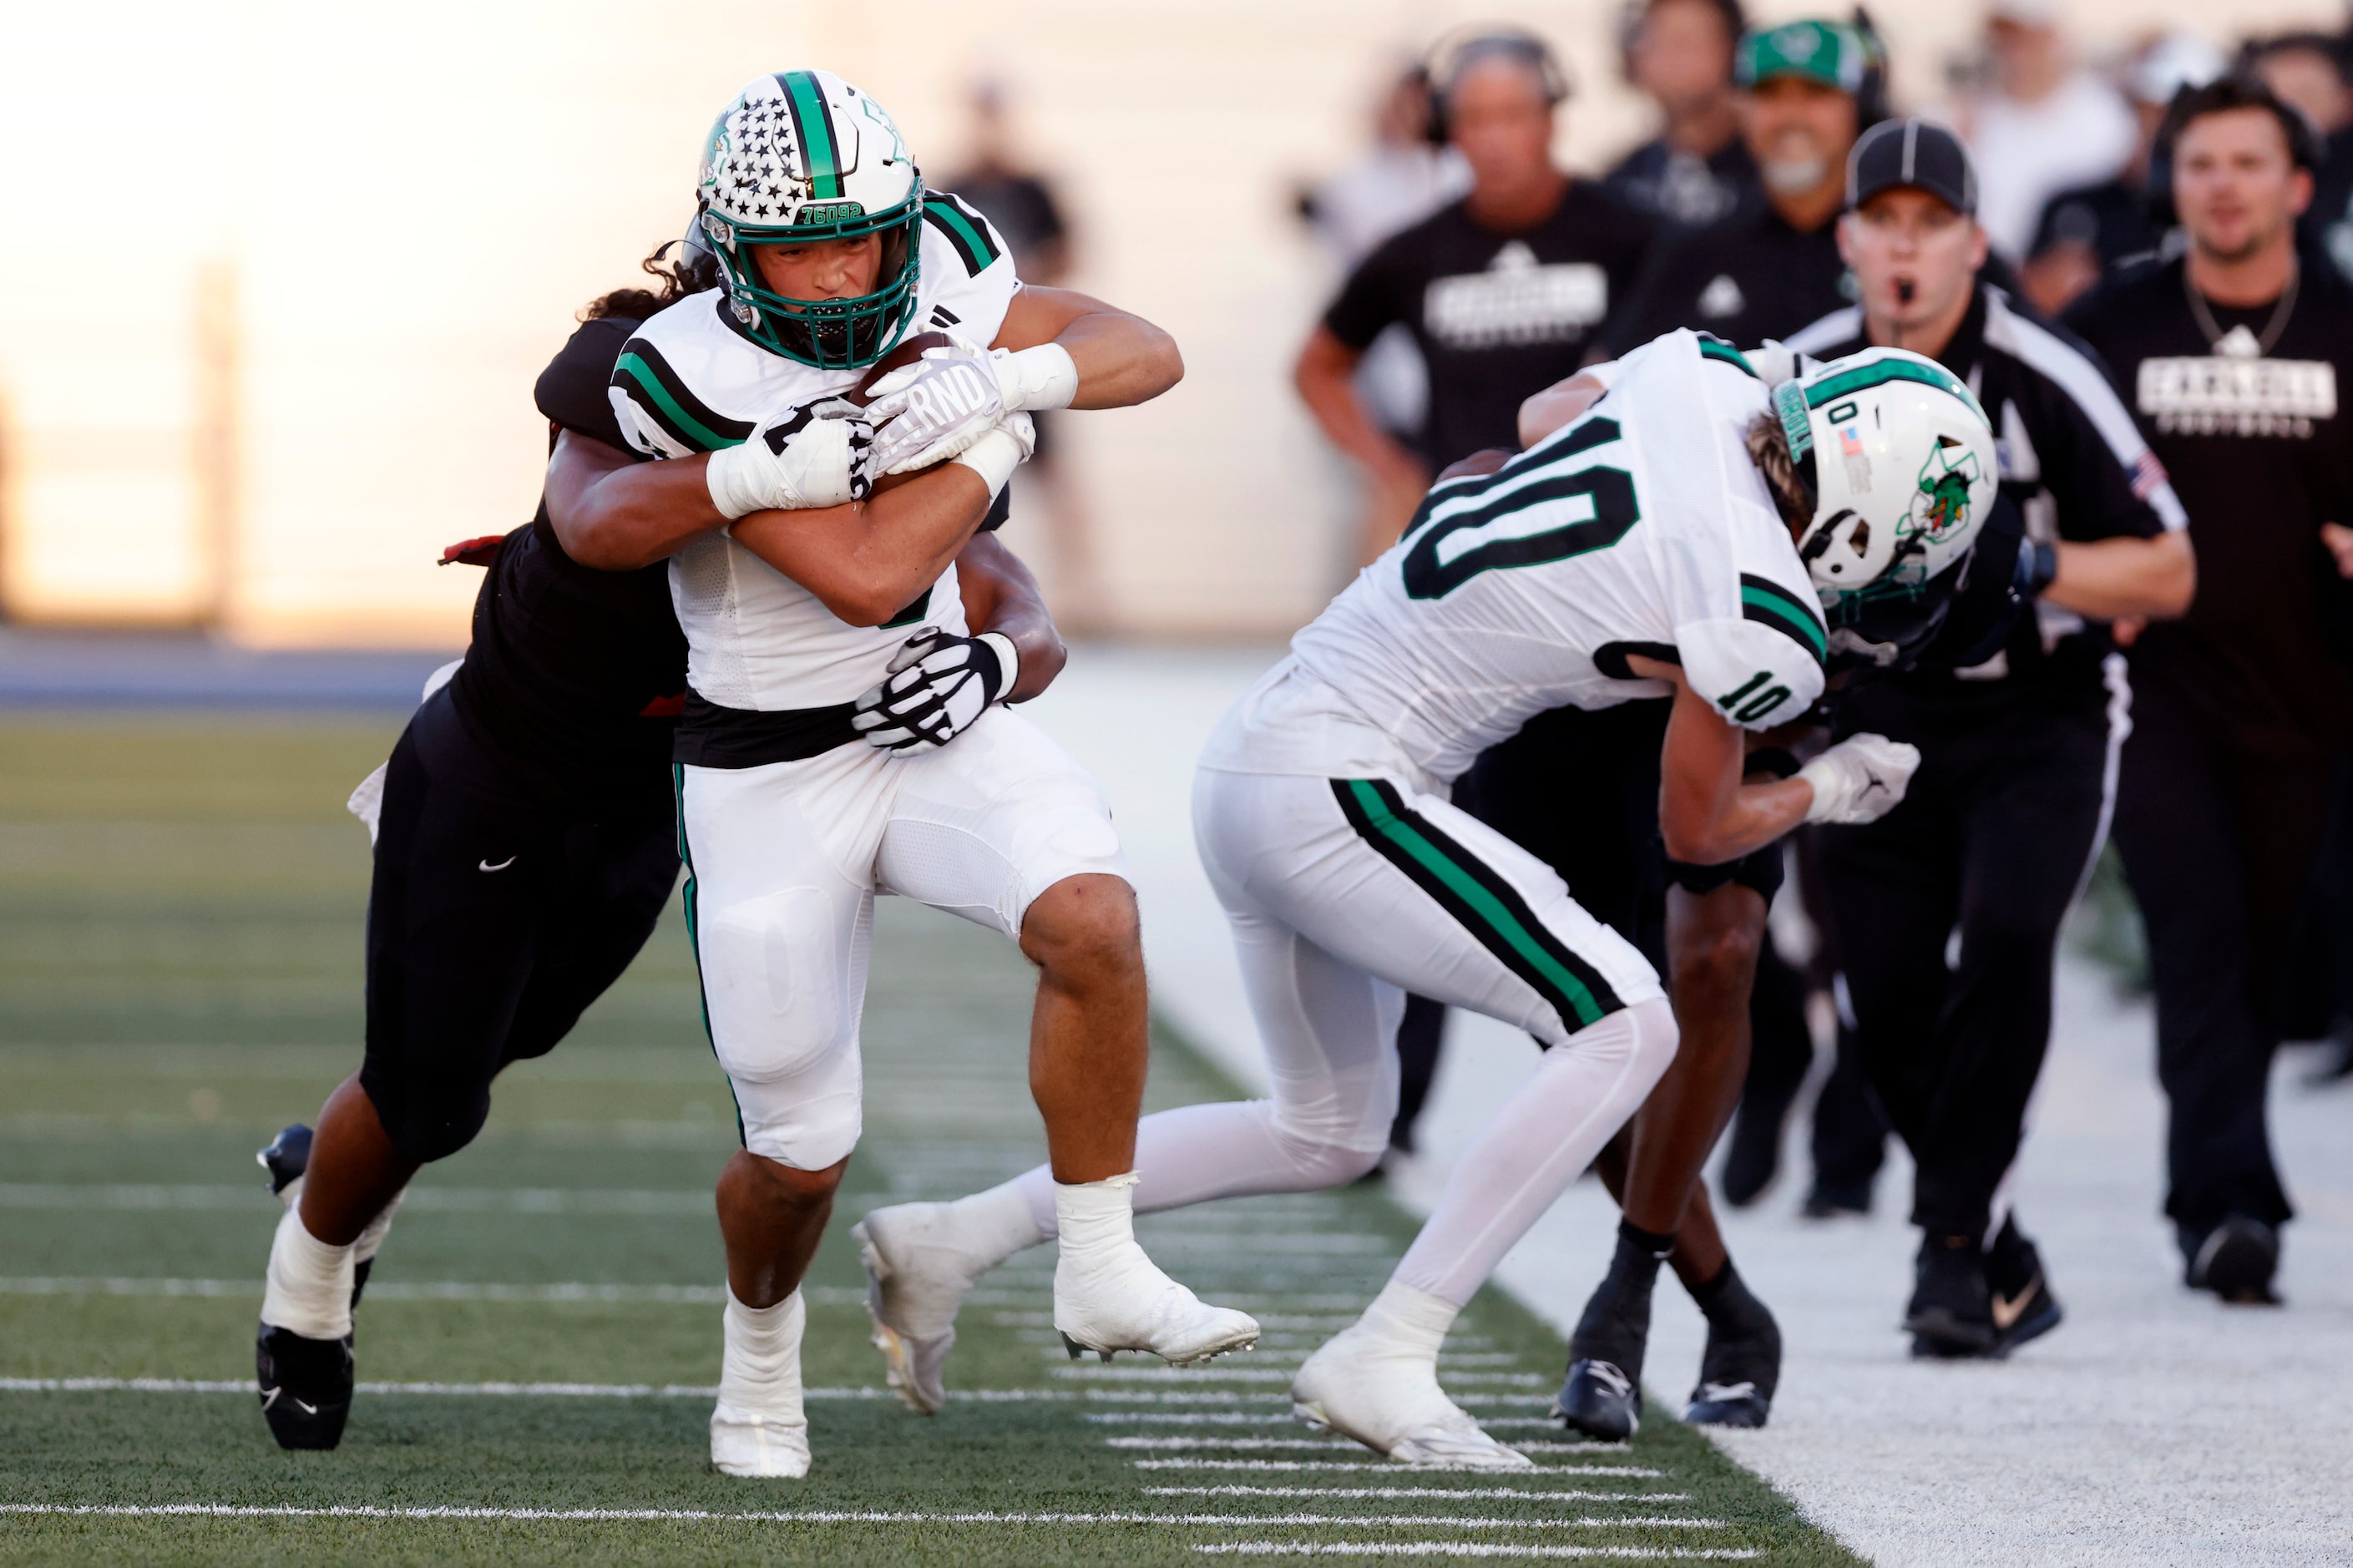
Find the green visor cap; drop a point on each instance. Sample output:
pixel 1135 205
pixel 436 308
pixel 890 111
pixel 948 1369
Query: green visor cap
pixel 1830 53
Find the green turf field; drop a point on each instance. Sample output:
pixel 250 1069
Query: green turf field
pixel 180 909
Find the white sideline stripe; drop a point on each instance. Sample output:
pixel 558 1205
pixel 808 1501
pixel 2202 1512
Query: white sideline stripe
pixel 238 1510
pixel 1385 1466
pixel 1466 1549
pixel 1110 1373
pixel 1258 1418
pixel 1339 1445
pixel 1524 1493
pixel 1240 1396
pixel 422 1291
pixel 488 1390
pixel 445 1200
pixel 1448 1360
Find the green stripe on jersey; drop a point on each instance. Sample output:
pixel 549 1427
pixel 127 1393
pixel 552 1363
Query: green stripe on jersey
pixel 971 240
pixel 1715 348
pixel 817 143
pixel 1771 604
pixel 647 379
pixel 1473 892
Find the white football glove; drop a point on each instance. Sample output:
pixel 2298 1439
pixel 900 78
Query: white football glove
pixel 930 411
pixel 818 454
pixel 1860 779
pixel 939 684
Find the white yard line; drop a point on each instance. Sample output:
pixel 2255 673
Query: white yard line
pixel 1113 1373
pixel 495 1390
pixel 445 1200
pixel 813 1516
pixel 1333 1444
pixel 1523 1494
pixel 1462 1549
pixel 419 1290
pixel 1386 1466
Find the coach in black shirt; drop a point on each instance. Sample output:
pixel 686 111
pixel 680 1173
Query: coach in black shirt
pixel 2237 358
pixel 1504 290
pixel 2010 802
pixel 1767 271
pixel 1697 170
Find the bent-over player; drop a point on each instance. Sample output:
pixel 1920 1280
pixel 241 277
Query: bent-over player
pixel 795 602
pixel 1659 543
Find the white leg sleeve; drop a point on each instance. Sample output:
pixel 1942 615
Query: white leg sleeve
pixel 1535 1145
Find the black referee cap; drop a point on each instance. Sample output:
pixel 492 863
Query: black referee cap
pixel 1912 152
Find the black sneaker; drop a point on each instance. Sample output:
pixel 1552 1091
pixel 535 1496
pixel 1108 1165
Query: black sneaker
pixel 1740 1369
pixel 2017 1294
pixel 1837 1200
pixel 306 1386
pixel 2236 1260
pixel 1600 1401
pixel 1951 1313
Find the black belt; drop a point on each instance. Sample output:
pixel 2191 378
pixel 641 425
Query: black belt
pixel 710 736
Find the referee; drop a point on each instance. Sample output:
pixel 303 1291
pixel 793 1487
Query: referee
pixel 2238 357
pixel 2011 800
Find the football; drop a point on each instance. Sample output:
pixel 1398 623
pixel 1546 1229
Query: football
pixel 909 351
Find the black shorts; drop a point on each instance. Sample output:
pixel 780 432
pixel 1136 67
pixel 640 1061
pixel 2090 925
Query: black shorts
pixel 1580 791
pixel 496 916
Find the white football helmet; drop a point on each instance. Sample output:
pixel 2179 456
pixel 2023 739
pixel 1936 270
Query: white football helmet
pixel 1898 460
pixel 802 155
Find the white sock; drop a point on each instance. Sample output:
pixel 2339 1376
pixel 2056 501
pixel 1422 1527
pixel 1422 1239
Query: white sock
pixel 371 1240
pixel 1197 1152
pixel 999 1223
pixel 760 1370
pixel 1409 1319
pixel 1095 1218
pixel 1539 1141
pixel 310 1283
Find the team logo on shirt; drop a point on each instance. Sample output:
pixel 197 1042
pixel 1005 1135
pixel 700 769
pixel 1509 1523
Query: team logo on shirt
pixel 1517 301
pixel 2213 396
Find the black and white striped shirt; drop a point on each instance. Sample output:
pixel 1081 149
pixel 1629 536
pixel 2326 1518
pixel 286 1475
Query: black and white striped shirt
pixel 2072 458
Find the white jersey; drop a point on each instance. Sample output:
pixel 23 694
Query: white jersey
pixel 1641 529
pixel 690 382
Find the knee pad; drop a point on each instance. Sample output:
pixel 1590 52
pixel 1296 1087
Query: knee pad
pixel 1319 1161
pixel 784 1022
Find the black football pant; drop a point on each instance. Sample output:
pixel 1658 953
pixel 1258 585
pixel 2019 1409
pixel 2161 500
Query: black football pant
pixel 1993 838
pixel 2219 846
pixel 496 916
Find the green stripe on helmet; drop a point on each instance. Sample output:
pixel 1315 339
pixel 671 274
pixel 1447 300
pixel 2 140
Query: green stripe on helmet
pixel 1879 373
pixel 1790 402
pixel 818 146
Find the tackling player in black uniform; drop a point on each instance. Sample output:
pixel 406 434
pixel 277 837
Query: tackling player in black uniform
pixel 2018 753
pixel 2236 356
pixel 526 844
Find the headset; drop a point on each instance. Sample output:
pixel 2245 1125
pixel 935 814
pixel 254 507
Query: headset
pixel 1457 53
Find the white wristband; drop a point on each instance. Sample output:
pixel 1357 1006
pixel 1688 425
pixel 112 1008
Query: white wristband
pixel 1008 662
pixel 994 457
pixel 735 480
pixel 1042 377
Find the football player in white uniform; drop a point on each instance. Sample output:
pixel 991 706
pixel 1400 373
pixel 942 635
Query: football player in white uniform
pixel 1662 541
pixel 829 670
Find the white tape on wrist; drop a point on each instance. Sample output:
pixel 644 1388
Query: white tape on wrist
pixel 994 457
pixel 1008 662
pixel 1042 377
pixel 733 481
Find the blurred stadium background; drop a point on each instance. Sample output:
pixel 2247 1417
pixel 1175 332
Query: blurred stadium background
pixel 284 275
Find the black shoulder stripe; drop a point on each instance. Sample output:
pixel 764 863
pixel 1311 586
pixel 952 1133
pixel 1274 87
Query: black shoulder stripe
pixel 962 227
pixel 1609 659
pixel 646 378
pixel 1767 603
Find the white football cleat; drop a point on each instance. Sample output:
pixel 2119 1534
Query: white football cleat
pixel 1116 1299
pixel 758 1428
pixel 918 1269
pixel 1387 1397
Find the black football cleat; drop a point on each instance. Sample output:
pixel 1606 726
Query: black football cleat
pixel 286 1158
pixel 1837 1200
pixel 2236 1260
pixel 1951 1311
pixel 2018 1293
pixel 1740 1369
pixel 306 1386
pixel 1600 1401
